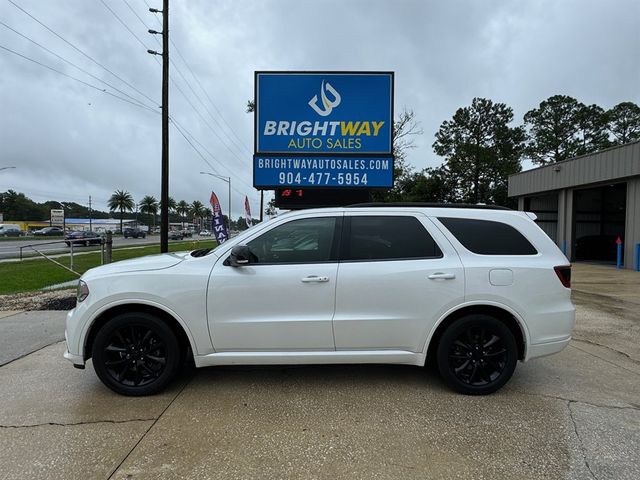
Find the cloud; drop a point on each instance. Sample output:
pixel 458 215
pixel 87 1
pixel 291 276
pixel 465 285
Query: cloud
pixel 69 140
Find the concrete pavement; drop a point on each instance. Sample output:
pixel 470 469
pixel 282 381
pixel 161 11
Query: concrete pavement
pixel 24 332
pixel 575 415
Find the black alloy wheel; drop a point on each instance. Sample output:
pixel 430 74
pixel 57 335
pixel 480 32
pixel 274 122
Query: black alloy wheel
pixel 136 354
pixel 477 355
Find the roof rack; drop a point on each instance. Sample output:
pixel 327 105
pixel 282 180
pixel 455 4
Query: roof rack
pixel 477 206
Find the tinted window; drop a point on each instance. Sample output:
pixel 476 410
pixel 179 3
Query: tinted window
pixel 299 241
pixel 488 238
pixel 389 238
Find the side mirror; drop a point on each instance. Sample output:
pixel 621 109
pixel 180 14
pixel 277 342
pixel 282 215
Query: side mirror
pixel 240 255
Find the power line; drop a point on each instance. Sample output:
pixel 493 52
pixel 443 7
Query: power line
pixel 206 122
pixel 182 131
pixel 81 51
pixel 186 81
pixel 203 89
pixel 124 25
pixel 73 64
pixel 103 90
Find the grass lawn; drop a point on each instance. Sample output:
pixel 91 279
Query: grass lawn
pixel 29 275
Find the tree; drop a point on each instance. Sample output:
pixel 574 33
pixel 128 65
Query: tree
pixel 17 206
pixel 624 122
pixel 121 200
pixel 430 185
pixel 592 129
pixel 481 150
pixel 149 205
pixel 195 210
pixel 182 208
pixel 171 204
pixel 405 130
pixel 553 130
pixel 270 211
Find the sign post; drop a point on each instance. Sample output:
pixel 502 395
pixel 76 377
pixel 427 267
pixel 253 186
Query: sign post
pixel 323 130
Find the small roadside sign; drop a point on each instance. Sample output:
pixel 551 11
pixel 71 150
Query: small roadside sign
pixel 57 218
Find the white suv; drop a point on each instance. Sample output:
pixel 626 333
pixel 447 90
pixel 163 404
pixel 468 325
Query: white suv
pixel 476 289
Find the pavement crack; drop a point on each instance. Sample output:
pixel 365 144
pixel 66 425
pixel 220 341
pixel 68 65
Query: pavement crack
pixel 582 449
pixel 607 347
pixel 583 402
pixel 72 424
pixel 113 472
pixel 573 345
pixel 30 352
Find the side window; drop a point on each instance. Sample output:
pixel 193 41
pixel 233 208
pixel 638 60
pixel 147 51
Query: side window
pixel 487 237
pixel 306 240
pixel 389 238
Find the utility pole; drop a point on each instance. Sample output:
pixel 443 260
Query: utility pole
pixel 164 189
pixel 90 229
pixel 261 204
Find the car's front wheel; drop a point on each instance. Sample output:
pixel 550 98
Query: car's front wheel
pixel 136 354
pixel 477 355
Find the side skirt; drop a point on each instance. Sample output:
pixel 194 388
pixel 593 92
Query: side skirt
pixel 310 358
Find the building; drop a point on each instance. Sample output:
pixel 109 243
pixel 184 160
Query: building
pixel 586 203
pixel 99 225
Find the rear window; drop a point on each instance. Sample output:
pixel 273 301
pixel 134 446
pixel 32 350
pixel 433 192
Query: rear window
pixel 486 237
pixel 388 238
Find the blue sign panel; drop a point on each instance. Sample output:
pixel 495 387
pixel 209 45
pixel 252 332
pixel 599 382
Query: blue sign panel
pixel 322 171
pixel 324 113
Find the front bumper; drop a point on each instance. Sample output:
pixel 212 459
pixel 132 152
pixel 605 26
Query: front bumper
pixel 76 358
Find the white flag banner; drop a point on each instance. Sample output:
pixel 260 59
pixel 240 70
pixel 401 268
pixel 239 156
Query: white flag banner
pixel 247 212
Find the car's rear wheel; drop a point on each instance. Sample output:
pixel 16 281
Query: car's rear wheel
pixel 477 355
pixel 136 354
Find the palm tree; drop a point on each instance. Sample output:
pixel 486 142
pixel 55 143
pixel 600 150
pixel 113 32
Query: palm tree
pixel 149 205
pixel 171 203
pixel 196 210
pixel 121 200
pixel 205 214
pixel 182 208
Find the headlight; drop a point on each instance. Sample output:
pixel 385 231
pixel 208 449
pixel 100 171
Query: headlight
pixel 83 291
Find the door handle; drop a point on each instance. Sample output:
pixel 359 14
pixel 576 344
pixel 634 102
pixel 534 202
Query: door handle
pixel 442 276
pixel 314 279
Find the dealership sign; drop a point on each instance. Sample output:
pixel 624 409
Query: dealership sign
pixel 323 129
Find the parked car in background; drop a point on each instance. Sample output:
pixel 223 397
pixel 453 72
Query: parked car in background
pixel 205 233
pixel 186 233
pixel 9 230
pixel 48 232
pixel 83 238
pixel 474 289
pixel 131 232
pixel 176 235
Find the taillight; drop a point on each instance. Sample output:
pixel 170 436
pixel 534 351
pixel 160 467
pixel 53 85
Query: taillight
pixel 564 274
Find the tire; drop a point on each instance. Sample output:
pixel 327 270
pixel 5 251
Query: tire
pixel 136 354
pixel 477 355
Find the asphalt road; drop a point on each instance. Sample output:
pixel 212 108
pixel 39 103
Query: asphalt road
pixel 11 248
pixel 575 415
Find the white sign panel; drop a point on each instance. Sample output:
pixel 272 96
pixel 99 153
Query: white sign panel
pixel 57 218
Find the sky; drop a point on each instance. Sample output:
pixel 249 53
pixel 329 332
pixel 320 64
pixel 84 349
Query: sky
pixel 69 140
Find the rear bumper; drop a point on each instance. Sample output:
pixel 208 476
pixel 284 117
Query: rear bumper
pixel 544 349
